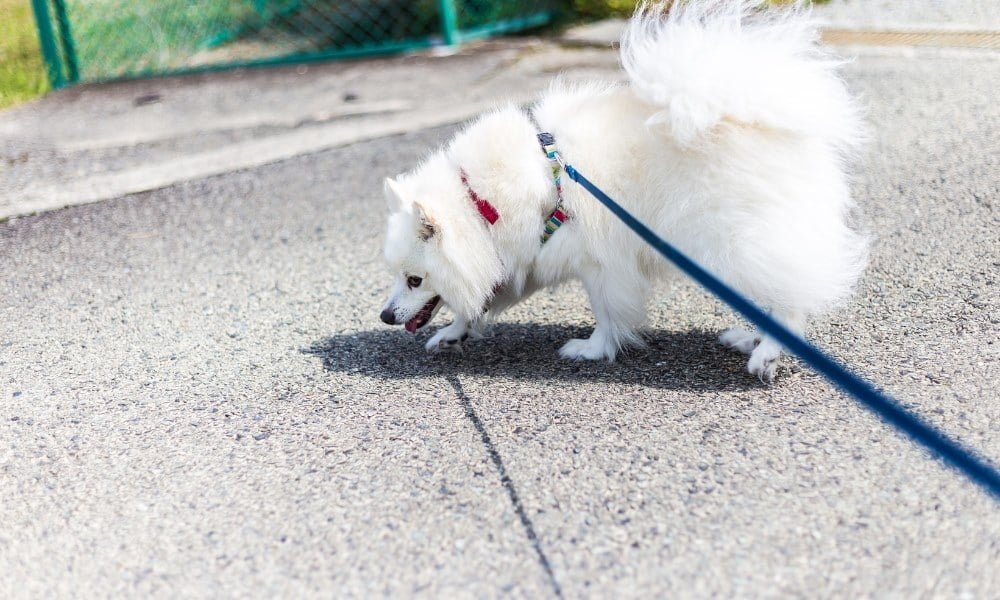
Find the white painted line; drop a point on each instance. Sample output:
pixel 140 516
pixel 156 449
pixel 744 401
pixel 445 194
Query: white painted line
pixel 171 129
pixel 239 156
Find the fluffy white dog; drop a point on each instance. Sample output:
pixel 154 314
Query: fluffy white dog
pixel 729 139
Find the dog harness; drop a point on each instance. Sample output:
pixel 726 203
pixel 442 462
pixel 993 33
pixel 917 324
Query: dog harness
pixel 548 143
pixel 556 218
pixel 487 210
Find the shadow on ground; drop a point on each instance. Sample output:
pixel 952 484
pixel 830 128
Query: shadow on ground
pixel 682 360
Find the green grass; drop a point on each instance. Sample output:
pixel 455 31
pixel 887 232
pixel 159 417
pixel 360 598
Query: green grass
pixel 22 72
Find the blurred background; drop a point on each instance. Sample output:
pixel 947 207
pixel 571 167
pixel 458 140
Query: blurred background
pixel 98 40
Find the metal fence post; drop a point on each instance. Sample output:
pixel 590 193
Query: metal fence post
pixel 449 22
pixel 66 37
pixel 46 38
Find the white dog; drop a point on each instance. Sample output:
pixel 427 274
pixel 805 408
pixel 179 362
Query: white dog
pixel 729 140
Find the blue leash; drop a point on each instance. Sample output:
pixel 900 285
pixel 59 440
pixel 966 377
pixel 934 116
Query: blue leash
pixel 953 453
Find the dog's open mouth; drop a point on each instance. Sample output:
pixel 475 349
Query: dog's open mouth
pixel 423 315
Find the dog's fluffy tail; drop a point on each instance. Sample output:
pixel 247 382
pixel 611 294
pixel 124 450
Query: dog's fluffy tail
pixel 710 63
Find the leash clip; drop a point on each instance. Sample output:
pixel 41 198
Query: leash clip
pixel 548 143
pixel 559 159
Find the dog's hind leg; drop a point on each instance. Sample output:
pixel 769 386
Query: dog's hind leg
pixel 765 357
pixel 620 309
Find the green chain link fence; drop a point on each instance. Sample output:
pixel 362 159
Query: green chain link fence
pixel 100 40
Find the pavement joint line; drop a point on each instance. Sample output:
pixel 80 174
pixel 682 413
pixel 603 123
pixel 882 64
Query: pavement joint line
pixel 233 122
pixel 901 35
pixel 909 37
pixel 506 481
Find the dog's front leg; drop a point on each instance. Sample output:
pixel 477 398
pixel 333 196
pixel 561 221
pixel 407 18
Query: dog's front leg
pixel 451 337
pixel 619 305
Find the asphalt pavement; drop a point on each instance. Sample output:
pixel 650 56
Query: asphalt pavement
pixel 198 399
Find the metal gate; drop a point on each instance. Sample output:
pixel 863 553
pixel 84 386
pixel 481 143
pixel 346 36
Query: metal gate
pixel 101 40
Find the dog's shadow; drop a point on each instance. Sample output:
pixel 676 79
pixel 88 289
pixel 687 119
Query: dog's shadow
pixel 685 360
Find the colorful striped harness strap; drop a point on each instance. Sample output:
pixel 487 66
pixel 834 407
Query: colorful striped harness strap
pixel 558 216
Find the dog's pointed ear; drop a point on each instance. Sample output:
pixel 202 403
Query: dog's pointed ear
pixel 427 226
pixel 393 195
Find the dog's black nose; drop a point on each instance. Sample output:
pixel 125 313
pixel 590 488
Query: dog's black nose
pixel 388 316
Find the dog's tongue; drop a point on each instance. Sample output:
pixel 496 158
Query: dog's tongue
pixel 423 315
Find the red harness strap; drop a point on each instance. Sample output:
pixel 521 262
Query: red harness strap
pixel 487 210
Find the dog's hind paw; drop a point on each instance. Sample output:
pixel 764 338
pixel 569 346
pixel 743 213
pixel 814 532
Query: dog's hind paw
pixel 589 349
pixel 764 361
pixel 739 339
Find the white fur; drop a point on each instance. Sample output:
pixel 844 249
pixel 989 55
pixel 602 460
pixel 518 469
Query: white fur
pixel 729 140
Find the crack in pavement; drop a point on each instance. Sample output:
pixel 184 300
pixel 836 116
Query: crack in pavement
pixel 507 482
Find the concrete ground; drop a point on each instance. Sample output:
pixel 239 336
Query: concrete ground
pixel 199 400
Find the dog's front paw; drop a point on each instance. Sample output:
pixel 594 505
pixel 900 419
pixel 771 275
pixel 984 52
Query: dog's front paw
pixel 764 360
pixel 589 349
pixel 442 342
pixel 450 338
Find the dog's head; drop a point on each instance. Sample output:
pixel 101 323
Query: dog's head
pixel 437 248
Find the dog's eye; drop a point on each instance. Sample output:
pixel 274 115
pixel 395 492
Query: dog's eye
pixel 413 281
